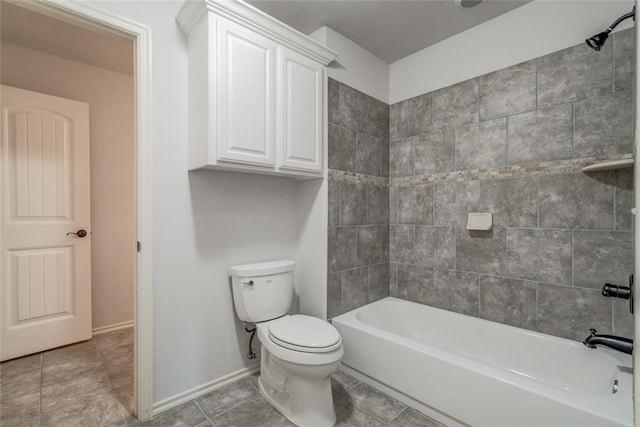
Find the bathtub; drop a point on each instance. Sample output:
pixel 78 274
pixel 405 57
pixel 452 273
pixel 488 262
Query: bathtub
pixel 461 370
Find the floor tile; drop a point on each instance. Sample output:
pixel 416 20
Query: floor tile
pixel 253 380
pixel 91 381
pixel 72 357
pixel 20 365
pixel 341 383
pixel 114 339
pixel 412 418
pixel 88 410
pixel 351 416
pixel 122 423
pixel 71 350
pixel 122 377
pixel 187 415
pixel 374 402
pixel 56 374
pixel 19 384
pixel 23 411
pixel 114 357
pixel 251 413
pixel 228 397
pixel 125 398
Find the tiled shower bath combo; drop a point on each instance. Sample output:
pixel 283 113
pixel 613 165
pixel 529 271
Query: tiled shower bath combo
pixel 511 143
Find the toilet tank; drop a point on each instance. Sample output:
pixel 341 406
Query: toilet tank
pixel 262 291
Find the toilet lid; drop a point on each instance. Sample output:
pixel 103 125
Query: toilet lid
pixel 304 333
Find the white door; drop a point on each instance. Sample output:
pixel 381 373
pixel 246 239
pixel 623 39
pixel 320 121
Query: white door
pixel 300 108
pixel 245 94
pixel 45 276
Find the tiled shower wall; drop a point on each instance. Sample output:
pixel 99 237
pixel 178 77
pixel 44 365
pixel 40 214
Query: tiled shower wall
pixel 512 143
pixel 358 199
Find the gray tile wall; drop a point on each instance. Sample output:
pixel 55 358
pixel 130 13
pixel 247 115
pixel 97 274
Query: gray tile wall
pixel 358 208
pixel 558 235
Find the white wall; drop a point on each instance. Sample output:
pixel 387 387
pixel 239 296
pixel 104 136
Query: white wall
pixel 216 219
pixel 110 99
pixel 204 222
pixel 312 198
pixel 355 66
pixel 535 29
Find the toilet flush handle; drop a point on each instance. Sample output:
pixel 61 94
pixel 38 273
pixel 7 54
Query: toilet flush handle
pixel 250 283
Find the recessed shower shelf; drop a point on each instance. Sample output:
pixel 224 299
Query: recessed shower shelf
pixel 609 165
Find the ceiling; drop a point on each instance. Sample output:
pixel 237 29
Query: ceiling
pixel 33 30
pixel 390 29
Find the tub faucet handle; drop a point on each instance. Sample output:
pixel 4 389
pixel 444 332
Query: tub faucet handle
pixel 593 331
pixel 609 290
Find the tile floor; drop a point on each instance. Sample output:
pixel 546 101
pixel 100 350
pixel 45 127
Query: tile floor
pixel 84 384
pixel 240 404
pixel 91 384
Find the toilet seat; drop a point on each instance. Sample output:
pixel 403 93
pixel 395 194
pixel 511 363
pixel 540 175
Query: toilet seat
pixel 304 333
pixel 296 356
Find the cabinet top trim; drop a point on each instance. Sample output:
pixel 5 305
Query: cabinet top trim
pixel 244 14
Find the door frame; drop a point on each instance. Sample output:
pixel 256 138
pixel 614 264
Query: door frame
pixel 90 17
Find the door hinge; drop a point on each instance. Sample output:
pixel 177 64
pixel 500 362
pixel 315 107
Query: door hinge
pixel 138 246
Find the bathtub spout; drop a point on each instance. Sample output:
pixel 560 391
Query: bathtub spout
pixel 624 345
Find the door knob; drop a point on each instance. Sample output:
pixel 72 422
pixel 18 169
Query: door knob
pixel 80 233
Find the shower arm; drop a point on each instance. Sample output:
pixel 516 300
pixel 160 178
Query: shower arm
pixel 631 14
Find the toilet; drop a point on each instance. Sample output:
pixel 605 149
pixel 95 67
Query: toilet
pixel 299 353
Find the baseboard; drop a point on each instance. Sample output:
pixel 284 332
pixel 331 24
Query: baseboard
pixel 111 328
pixel 179 399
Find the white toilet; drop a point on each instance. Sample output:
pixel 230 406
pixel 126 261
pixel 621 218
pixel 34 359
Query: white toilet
pixel 299 353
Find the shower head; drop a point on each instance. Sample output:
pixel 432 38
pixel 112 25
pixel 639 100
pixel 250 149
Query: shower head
pixel 596 42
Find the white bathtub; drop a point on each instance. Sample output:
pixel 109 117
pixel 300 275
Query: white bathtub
pixel 462 370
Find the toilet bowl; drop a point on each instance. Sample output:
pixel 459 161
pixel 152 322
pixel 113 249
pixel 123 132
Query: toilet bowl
pixel 297 382
pixel 299 353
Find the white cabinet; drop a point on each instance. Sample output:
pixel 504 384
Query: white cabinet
pixel 245 107
pixel 300 117
pixel 257 91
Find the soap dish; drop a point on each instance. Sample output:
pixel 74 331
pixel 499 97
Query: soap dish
pixel 479 221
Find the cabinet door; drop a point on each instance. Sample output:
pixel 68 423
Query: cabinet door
pixel 301 112
pixel 245 95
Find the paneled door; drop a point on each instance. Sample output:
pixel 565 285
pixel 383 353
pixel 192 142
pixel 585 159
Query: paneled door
pixel 45 276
